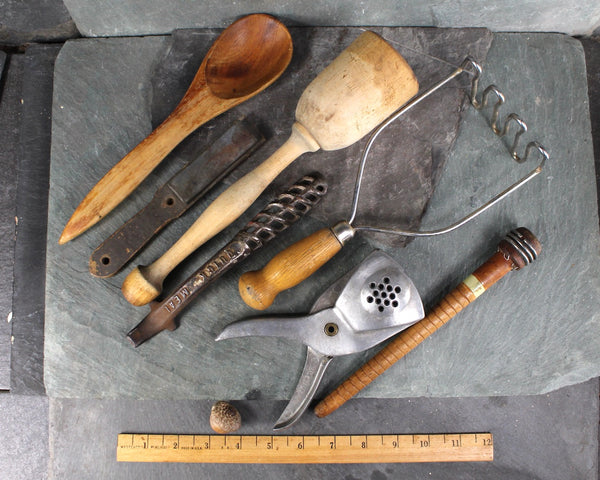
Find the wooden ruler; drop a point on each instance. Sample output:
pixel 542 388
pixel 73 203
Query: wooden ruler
pixel 449 447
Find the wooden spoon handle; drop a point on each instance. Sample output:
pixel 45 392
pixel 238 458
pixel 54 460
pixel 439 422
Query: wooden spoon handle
pixel 125 176
pixel 509 257
pixel 292 266
pixel 144 284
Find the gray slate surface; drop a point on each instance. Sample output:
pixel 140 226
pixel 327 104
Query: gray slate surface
pixel 109 132
pixel 592 60
pixel 35 21
pixel 565 416
pixel 542 436
pixel 543 338
pixel 10 120
pixel 25 436
pixel 135 17
pixel 31 211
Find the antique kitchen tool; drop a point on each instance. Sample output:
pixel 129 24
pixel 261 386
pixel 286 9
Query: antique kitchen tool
pixel 297 262
pixel 518 249
pixel 247 57
pixel 360 88
pixel 278 215
pixel 374 302
pixel 175 197
pixel 302 449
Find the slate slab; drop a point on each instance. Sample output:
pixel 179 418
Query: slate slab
pixel 35 21
pixel 591 47
pixel 132 17
pixel 543 338
pixel 11 70
pixel 97 118
pixel 24 439
pixel 540 436
pixel 31 213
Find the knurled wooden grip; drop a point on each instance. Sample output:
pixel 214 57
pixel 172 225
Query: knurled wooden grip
pixel 288 268
pixel 513 253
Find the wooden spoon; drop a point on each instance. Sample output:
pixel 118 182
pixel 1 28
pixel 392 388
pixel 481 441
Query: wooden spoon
pixel 247 57
pixel 366 83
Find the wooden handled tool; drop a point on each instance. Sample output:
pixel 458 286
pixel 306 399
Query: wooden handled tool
pixel 518 249
pixel 299 261
pixel 258 288
pixel 286 209
pixel 246 58
pixel 366 83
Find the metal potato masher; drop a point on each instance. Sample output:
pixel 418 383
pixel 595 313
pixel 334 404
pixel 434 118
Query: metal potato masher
pixel 297 262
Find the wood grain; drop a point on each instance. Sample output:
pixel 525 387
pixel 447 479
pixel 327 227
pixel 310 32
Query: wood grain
pixel 508 257
pixel 366 83
pixel 288 268
pixel 248 57
pixel 305 449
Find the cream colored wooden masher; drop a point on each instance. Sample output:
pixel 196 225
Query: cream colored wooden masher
pixel 366 83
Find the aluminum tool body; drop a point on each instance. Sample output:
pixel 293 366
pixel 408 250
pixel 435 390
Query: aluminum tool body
pixel 516 250
pixel 374 302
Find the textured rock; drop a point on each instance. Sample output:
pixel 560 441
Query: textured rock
pixel 10 84
pixel 536 330
pixel 592 60
pixel 35 21
pixel 88 125
pixel 541 339
pixel 135 17
pixel 520 425
pixel 31 211
pixel 24 439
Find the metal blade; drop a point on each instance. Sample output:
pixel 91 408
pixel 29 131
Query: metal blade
pixel 301 329
pixel 314 368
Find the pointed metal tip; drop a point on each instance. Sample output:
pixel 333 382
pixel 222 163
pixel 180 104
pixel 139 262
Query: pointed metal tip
pixel 224 335
pixel 283 422
pixel 280 426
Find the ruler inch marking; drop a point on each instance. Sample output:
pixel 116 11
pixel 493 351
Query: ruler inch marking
pixel 269 449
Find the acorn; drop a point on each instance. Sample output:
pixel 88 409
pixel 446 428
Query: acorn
pixel 224 418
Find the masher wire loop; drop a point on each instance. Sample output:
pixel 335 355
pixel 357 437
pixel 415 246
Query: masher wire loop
pixel 471 67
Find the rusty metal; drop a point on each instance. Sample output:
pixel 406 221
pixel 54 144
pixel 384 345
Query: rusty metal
pixel 277 216
pixel 175 197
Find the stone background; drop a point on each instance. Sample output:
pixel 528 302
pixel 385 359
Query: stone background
pixel 75 438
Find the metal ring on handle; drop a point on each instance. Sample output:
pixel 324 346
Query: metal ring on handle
pixel 472 68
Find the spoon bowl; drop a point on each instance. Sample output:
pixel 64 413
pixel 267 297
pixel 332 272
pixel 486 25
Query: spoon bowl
pixel 246 58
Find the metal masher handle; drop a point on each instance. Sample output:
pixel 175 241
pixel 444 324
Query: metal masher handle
pixel 518 249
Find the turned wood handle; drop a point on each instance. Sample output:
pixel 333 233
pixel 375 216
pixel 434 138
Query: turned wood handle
pixel 144 283
pixel 518 249
pixel 288 268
